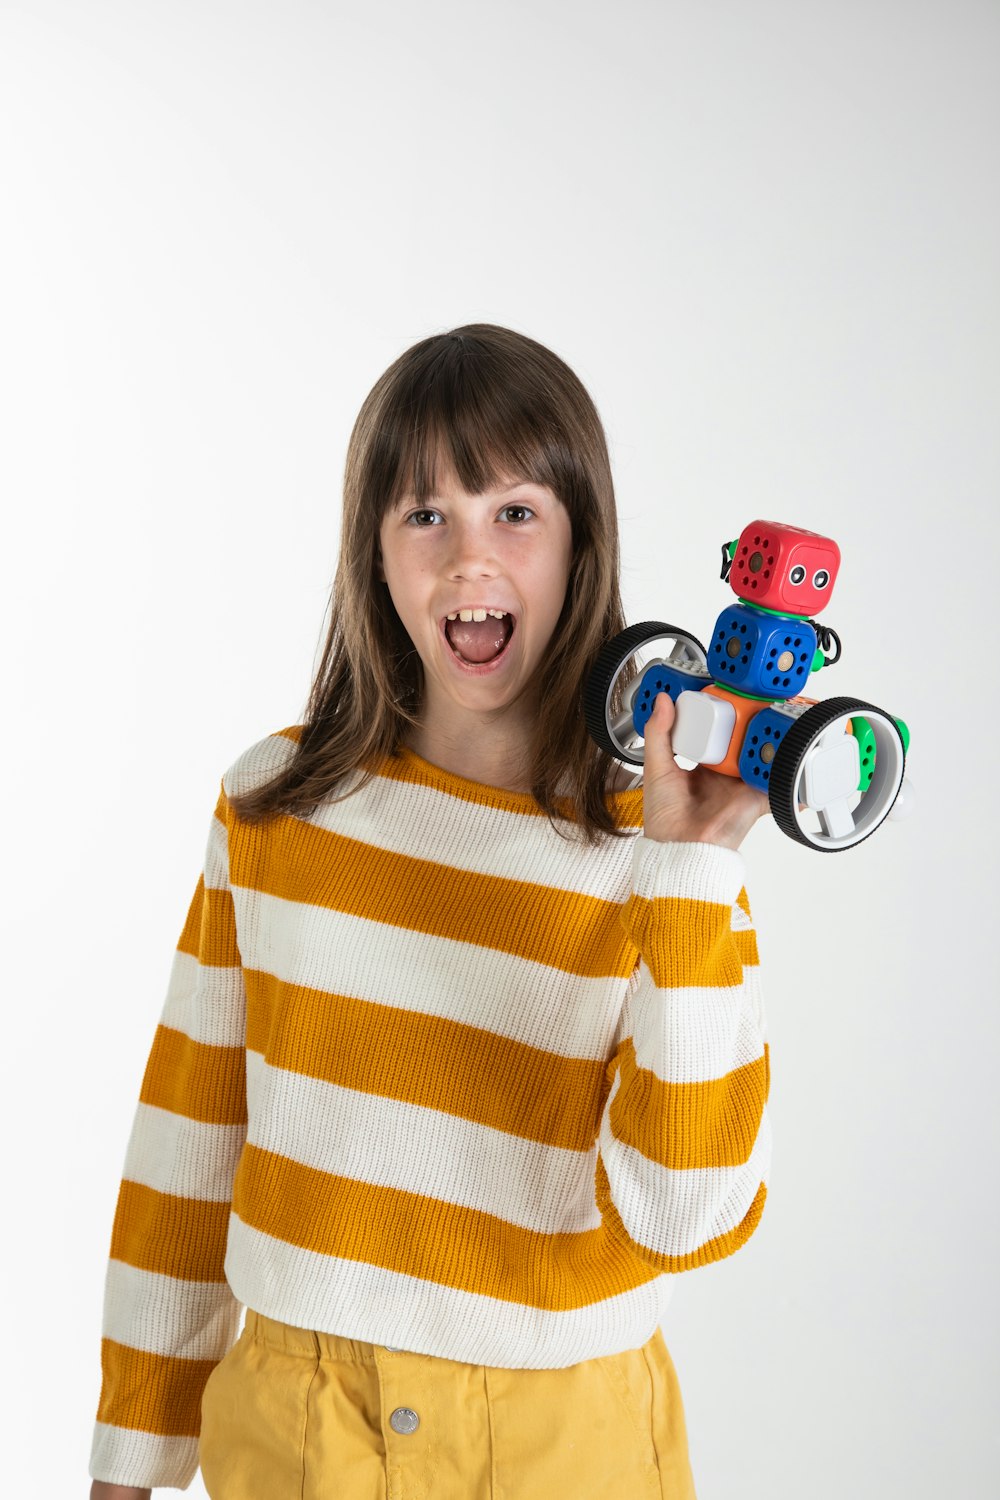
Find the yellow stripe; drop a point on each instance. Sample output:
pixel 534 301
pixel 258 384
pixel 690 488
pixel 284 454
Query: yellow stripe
pixel 209 933
pixel 575 933
pixel 425 1237
pixel 182 1237
pixel 189 938
pixel 265 998
pixel 407 767
pixel 687 942
pixel 714 1249
pixel 746 947
pixel 743 901
pixel 195 1079
pixel 688 1125
pixel 151 1392
pixel 405 1055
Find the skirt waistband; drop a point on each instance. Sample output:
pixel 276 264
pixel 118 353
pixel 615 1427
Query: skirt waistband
pixel 307 1341
pixel 312 1344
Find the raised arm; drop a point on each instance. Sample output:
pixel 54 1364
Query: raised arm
pixel 684 1142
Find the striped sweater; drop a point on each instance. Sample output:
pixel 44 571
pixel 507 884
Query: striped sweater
pixel 433 1075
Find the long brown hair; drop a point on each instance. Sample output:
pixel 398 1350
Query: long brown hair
pixel 501 408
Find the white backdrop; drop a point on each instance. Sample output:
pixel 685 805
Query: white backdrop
pixel 766 234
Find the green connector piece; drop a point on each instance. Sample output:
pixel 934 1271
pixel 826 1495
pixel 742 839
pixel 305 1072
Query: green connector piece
pixel 819 660
pixel 731 548
pixel 780 614
pixel 903 728
pixel 865 736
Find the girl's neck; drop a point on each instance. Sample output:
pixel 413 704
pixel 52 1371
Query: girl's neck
pixel 494 760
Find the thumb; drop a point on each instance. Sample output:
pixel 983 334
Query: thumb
pixel 658 756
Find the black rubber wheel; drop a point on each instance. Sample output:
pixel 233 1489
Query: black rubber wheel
pixel 874 804
pixel 606 710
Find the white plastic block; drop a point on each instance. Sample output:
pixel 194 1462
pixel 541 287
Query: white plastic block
pixel 832 770
pixel 703 727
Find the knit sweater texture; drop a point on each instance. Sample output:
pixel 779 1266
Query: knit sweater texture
pixel 433 1075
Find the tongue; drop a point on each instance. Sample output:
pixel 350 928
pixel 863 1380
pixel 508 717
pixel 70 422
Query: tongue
pixel 477 640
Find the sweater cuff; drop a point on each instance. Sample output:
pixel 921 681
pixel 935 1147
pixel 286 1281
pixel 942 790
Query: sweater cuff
pixel 145 1460
pixel 700 872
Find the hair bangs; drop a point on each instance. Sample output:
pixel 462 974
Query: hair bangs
pixel 465 418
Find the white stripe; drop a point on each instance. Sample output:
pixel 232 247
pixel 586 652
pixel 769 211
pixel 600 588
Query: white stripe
pixel 547 1189
pixel 695 1033
pixel 188 1158
pixel 754 997
pixel 360 1301
pixel 421 821
pixel 206 1002
pixel 142 1459
pixel 740 921
pixel 216 863
pixel 697 872
pixel 568 1014
pixel 258 764
pixel 677 1212
pixel 184 1319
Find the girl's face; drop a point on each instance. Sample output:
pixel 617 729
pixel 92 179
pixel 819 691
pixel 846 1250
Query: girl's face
pixel 507 551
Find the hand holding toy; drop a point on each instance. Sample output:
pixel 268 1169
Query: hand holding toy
pixel 695 806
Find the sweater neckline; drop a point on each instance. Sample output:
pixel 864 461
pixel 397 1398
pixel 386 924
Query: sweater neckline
pixel 409 766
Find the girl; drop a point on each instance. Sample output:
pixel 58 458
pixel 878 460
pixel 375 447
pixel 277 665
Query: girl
pixel 462 1053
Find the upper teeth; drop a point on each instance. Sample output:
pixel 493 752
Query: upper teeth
pixel 477 614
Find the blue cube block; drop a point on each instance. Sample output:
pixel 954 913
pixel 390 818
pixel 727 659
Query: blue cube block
pixel 768 656
pixel 764 734
pixel 662 677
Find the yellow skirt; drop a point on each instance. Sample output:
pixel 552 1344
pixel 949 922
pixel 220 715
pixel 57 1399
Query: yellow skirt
pixel 294 1415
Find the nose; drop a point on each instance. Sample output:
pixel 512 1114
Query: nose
pixel 472 554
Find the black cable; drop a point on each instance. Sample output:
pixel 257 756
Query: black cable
pixel 824 636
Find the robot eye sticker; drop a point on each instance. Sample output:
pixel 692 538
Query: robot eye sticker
pixel 833 770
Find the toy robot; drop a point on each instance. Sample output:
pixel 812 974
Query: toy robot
pixel 833 770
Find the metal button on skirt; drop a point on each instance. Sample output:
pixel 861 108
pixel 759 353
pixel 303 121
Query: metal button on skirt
pixel 295 1415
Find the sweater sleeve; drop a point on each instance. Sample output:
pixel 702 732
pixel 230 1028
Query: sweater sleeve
pixel 169 1315
pixel 684 1141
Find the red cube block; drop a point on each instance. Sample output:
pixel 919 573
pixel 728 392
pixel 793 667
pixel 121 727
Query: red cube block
pixel 784 567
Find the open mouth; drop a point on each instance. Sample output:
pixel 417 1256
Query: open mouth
pixel 478 636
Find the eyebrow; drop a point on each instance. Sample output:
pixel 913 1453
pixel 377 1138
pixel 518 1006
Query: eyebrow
pixel 407 497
